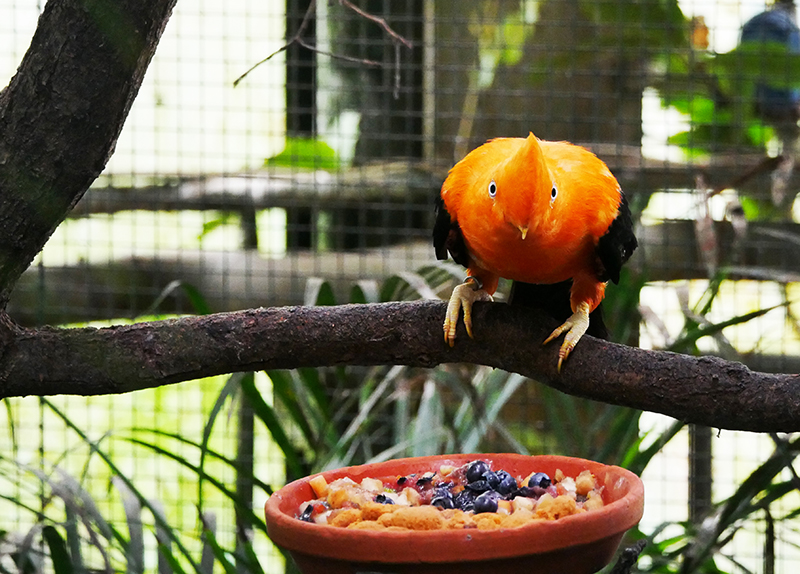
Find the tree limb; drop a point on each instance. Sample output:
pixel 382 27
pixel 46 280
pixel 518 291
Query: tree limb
pixel 120 359
pixel 62 113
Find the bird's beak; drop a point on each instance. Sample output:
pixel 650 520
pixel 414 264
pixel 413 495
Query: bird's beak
pixel 523 231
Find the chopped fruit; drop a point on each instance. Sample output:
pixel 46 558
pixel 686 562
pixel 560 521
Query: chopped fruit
pixel 372 484
pixel 486 502
pixel 584 483
pixel 383 499
pixel 539 479
pixel 443 498
pixel 476 470
pixel 470 496
pixel 319 485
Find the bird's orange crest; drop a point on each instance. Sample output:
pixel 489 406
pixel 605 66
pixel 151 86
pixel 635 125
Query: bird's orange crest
pixel 523 187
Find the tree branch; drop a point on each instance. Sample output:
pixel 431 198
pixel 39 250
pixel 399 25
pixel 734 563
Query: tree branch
pixel 703 390
pixel 62 113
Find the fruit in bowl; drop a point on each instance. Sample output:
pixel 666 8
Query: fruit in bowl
pixel 460 513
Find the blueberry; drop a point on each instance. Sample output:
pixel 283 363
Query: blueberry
pixel 401 480
pixel 476 469
pixel 381 498
pixel 465 500
pixel 507 485
pixel 492 478
pixel 528 492
pixel 443 498
pixel 426 478
pixel 478 486
pixel 539 479
pixel 307 512
pixel 486 502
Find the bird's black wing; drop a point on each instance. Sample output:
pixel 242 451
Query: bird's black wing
pixel 447 236
pixel 618 243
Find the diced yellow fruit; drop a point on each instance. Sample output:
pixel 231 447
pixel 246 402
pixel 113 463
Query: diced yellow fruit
pixel 584 483
pixel 446 469
pixel 522 503
pixel 411 495
pixel 504 507
pixel 559 475
pixel 566 486
pixel 594 501
pixel 319 485
pixel 372 484
pixel 337 497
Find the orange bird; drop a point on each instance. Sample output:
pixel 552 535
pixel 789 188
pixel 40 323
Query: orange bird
pixel 548 215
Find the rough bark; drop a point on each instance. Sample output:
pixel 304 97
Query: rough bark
pixel 703 390
pixel 62 112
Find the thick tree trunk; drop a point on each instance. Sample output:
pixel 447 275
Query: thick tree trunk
pixel 62 112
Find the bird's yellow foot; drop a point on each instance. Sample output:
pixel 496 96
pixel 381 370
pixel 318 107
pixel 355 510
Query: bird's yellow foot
pixel 575 327
pixel 464 295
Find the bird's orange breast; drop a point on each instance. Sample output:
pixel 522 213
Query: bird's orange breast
pixel 547 255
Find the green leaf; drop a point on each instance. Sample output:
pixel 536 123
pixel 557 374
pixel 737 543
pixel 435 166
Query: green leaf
pixel 161 524
pixel 219 553
pixel 196 299
pixel 636 460
pixel 365 291
pixel 425 437
pixel 692 336
pixel 58 551
pixel 226 218
pixel 228 389
pixel 770 63
pixel 270 419
pixel 313 387
pixel 199 470
pixel 242 511
pixel 283 391
pixel 318 292
pixel 405 286
pixel 134 553
pixel 306 153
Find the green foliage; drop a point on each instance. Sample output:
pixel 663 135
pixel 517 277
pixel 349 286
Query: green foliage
pixel 657 24
pixel 696 548
pixel 305 153
pixel 326 418
pixel 739 70
pixel 716 92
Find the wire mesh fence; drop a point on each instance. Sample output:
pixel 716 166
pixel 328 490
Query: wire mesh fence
pixel 310 178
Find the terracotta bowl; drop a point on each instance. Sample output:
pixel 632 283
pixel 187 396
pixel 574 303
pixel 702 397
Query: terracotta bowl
pixel 582 543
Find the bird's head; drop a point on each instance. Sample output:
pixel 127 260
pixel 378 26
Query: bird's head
pixel 522 189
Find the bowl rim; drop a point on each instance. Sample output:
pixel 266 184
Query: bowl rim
pixel 538 537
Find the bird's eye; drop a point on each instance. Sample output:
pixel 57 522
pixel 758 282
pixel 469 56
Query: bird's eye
pixel 492 189
pixel 553 192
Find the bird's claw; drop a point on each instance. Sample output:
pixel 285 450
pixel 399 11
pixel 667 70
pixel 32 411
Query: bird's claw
pixel 575 328
pixel 464 295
